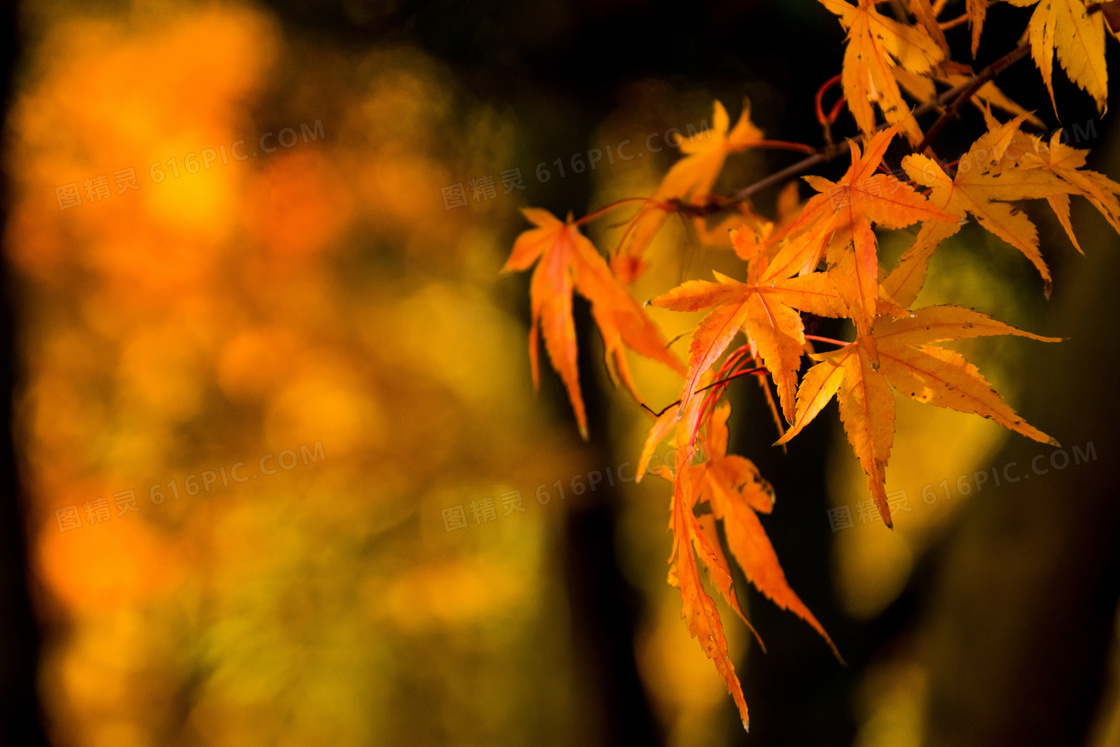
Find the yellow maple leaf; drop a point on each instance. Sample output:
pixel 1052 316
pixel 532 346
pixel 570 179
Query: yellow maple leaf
pixel 841 216
pixel 877 47
pixel 689 179
pixel 976 190
pixel 911 364
pixel 1077 36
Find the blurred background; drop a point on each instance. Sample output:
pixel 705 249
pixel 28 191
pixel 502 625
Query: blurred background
pixel 276 474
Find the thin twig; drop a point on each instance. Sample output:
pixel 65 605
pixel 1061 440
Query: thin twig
pixel 830 152
pixel 754 371
pixel 946 25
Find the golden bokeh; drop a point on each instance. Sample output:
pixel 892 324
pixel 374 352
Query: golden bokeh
pixel 263 360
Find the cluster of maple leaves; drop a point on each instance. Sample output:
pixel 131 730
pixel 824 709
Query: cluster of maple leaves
pixel 820 257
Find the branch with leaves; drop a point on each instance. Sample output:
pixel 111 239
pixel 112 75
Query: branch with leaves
pixel 820 257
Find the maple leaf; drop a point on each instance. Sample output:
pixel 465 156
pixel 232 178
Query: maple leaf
pixel 715 505
pixel 861 197
pixel 699 610
pixel 977 191
pixel 1068 164
pixel 912 365
pixel 736 491
pixel 766 312
pixel 877 47
pixel 689 533
pixel 567 261
pixel 977 10
pixel 689 179
pixel 1013 150
pixel 926 15
pixel 1067 28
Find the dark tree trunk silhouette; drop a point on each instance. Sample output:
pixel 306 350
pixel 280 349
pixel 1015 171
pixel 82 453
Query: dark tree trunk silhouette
pixel 20 713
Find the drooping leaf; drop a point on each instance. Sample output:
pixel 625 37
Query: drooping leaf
pixel 688 180
pixel 736 491
pixel 915 368
pixel 1066 27
pixel 567 261
pixel 699 610
pixel 877 46
pixel 977 11
pixel 976 191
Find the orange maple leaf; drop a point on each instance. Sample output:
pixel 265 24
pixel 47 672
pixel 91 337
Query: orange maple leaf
pixel 688 180
pixel 841 216
pixel 916 368
pixel 691 533
pixel 977 10
pixel 699 611
pixel 878 47
pixel 567 261
pixel 736 492
pixel 977 190
pixel 766 312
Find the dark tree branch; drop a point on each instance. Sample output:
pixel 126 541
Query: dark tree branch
pixel 959 96
pixel 969 90
pixel 21 721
